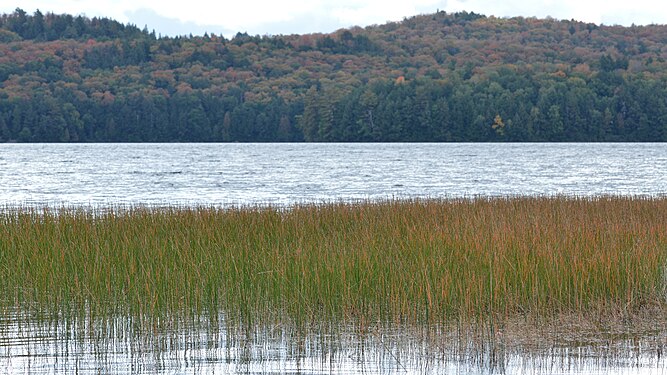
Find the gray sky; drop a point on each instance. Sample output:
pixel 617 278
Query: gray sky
pixel 297 16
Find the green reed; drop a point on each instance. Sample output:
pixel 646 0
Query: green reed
pixel 414 262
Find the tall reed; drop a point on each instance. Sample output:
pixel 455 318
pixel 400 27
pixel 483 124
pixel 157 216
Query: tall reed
pixel 414 261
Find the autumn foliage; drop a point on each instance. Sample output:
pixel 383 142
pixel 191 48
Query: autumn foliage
pixel 435 77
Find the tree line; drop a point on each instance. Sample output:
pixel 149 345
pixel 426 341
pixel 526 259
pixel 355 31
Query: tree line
pixel 430 78
pixel 509 107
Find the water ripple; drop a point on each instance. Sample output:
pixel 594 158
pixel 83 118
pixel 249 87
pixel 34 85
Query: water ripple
pixel 255 174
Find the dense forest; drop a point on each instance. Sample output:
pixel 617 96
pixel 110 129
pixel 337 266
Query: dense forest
pixel 435 77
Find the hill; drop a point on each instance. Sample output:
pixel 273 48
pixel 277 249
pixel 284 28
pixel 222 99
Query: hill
pixel 435 77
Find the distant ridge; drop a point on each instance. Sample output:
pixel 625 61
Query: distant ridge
pixel 436 77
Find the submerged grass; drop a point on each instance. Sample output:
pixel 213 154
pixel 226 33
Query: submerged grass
pixel 395 262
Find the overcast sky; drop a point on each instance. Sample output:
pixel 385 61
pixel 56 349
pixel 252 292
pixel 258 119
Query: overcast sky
pixel 298 16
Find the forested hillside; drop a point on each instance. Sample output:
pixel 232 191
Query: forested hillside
pixel 436 77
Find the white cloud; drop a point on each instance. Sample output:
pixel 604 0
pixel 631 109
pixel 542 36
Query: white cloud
pixel 380 11
pixel 251 14
pixel 297 16
pixel 597 11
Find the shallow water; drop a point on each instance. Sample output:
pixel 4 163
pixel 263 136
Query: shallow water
pixel 283 174
pixel 70 346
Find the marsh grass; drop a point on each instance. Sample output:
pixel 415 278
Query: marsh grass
pixel 415 262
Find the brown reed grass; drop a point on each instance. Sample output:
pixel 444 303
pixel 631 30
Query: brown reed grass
pixel 394 262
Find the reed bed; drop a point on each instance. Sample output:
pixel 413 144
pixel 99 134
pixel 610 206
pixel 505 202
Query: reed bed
pixel 396 262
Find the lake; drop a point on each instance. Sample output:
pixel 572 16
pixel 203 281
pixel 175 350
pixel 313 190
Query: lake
pixel 98 175
pixel 284 174
pixel 30 346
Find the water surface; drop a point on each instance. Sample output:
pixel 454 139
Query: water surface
pixel 113 346
pixel 283 174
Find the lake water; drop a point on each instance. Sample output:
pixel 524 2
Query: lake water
pixel 283 174
pixel 30 346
